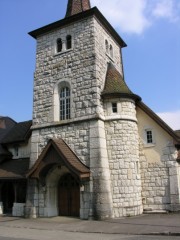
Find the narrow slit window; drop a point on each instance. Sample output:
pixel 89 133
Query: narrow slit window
pixel 107 46
pixel 59 45
pixel 68 42
pixel 111 51
pixel 114 107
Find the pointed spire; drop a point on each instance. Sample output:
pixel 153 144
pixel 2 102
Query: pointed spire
pixel 77 6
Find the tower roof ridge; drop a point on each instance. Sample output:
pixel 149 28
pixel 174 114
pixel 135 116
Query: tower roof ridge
pixel 77 6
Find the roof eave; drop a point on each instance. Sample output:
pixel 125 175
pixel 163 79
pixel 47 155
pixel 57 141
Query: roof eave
pixel 159 121
pixel 121 95
pixel 68 20
pixel 13 178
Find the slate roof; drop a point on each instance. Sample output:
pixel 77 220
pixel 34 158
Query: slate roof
pixel 19 133
pixel 69 158
pixel 6 124
pixel 14 169
pixel 115 86
pixel 77 6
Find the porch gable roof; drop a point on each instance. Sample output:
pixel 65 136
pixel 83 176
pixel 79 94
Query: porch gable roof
pixel 65 156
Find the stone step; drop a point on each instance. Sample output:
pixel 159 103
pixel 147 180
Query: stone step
pixel 150 211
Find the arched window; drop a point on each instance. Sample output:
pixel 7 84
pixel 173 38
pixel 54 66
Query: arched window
pixel 107 46
pixel 68 42
pixel 111 51
pixel 59 45
pixel 64 98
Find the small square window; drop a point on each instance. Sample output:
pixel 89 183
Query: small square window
pixel 114 107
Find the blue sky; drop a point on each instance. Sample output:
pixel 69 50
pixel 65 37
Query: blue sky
pixel 151 29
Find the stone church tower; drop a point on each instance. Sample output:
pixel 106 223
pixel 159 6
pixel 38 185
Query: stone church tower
pixel 85 142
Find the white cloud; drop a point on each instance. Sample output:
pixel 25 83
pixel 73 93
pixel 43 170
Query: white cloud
pixel 126 15
pixel 135 16
pixel 171 118
pixel 166 9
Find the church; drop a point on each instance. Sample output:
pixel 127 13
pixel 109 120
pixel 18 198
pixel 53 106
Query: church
pixel 93 149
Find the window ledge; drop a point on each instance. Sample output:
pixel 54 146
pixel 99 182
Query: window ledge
pixel 149 145
pixel 62 52
pixel 109 57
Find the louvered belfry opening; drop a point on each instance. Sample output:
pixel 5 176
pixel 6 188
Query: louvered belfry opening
pixel 77 6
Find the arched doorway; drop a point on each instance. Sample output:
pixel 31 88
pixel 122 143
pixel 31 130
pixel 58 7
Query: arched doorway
pixel 68 196
pixel 8 196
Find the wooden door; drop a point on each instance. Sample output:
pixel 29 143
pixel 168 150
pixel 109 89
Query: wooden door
pixel 69 196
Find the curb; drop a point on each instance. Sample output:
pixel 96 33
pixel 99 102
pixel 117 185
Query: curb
pixel 160 234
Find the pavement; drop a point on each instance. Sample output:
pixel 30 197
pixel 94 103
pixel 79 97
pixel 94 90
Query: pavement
pixel 147 224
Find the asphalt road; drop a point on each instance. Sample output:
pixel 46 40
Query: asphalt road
pixel 38 234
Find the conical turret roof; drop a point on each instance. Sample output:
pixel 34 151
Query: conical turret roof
pixel 115 86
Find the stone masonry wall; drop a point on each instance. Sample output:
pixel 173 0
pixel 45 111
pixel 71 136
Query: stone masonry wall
pixel 75 135
pixel 102 59
pixel 123 154
pixel 158 181
pixel 75 66
pixel 84 68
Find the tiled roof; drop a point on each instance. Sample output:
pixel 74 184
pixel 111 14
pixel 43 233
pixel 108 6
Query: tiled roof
pixel 6 124
pixel 14 169
pixel 65 156
pixel 115 86
pixel 19 133
pixel 77 6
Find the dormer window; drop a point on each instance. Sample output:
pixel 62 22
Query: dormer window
pixel 68 42
pixel 59 45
